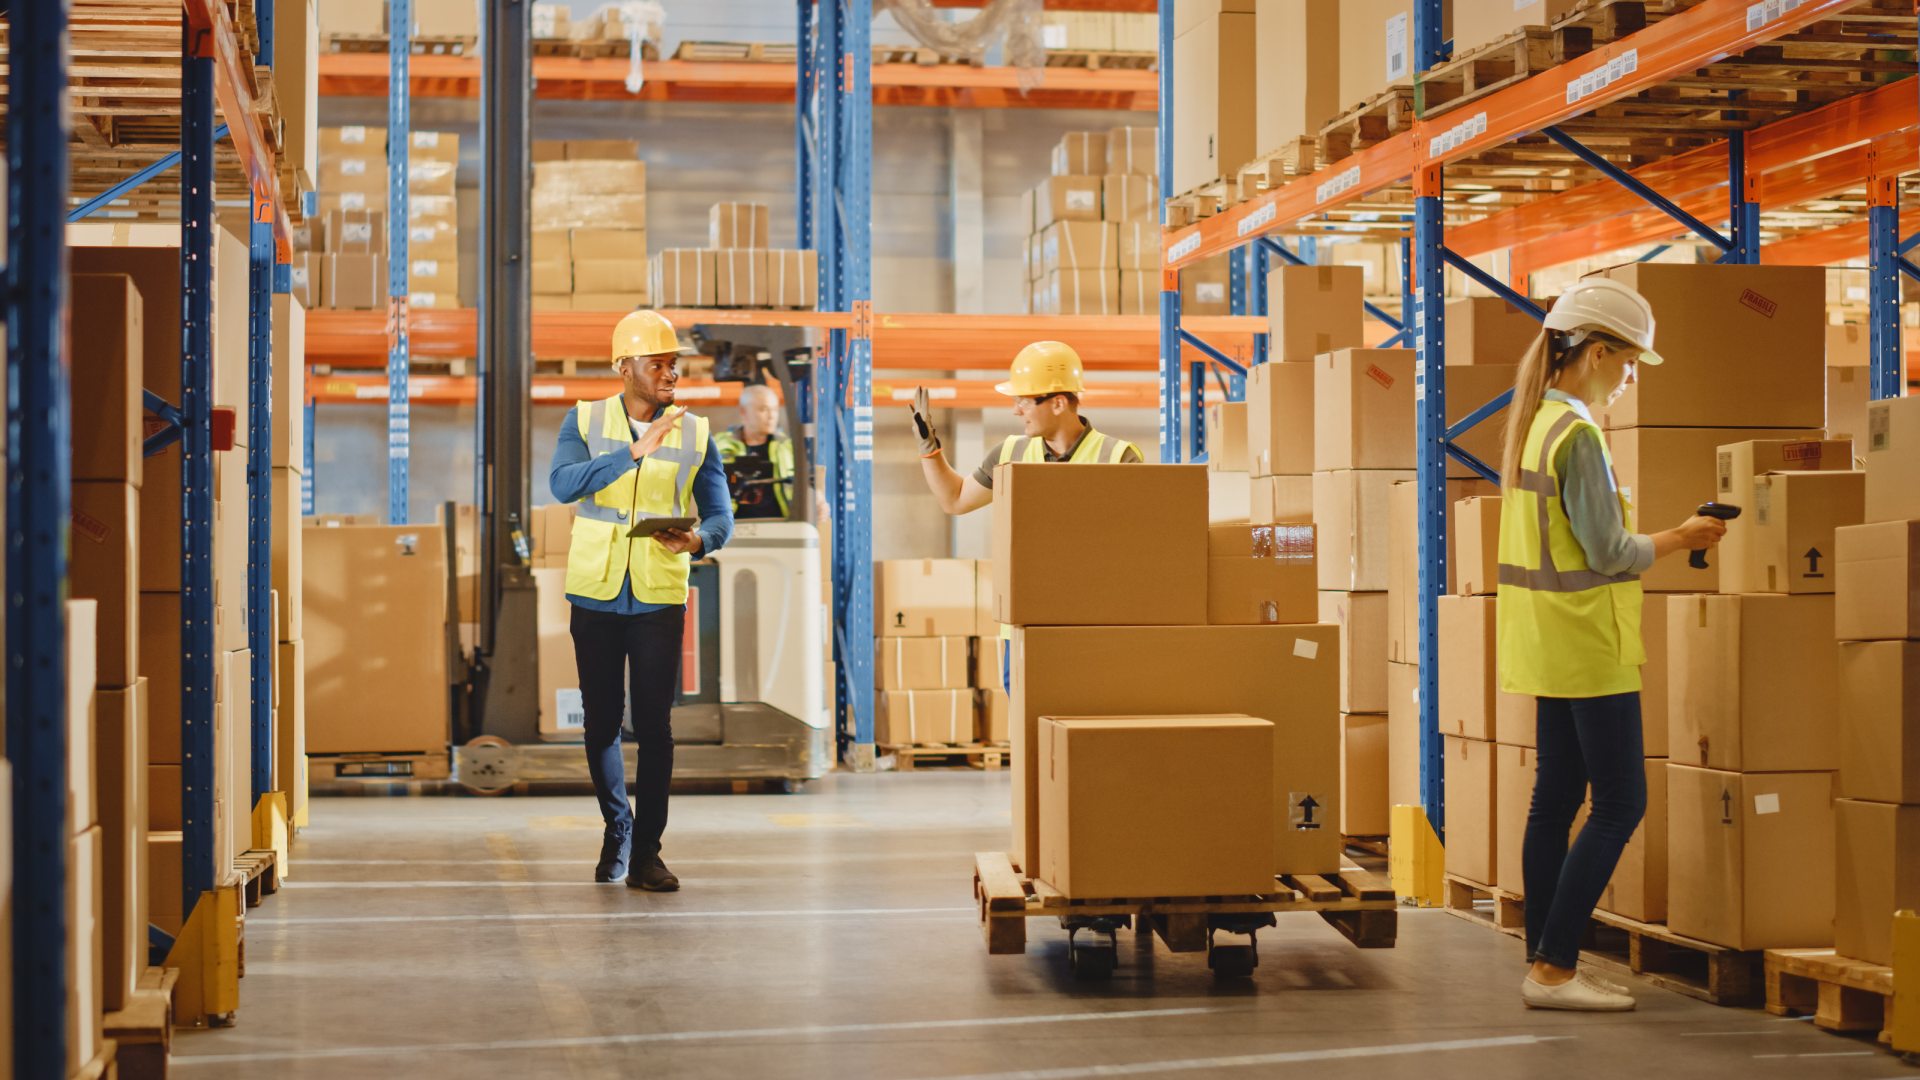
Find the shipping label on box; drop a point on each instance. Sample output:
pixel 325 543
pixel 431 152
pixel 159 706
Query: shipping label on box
pixel 1066 198
pixel 1362 398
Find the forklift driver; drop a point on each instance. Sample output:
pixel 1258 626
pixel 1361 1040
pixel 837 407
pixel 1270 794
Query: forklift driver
pixel 758 458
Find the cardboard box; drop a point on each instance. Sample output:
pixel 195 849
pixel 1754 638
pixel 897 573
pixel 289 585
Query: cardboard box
pixel 793 278
pixel 1126 197
pixel 307 279
pixel 1066 198
pixel 1362 619
pixel 1403 564
pixel 356 282
pixel 1848 344
pixel 923 717
pixel 1226 436
pixel 922 663
pixel 1041 579
pixel 160 655
pixel 1259 574
pixel 738 225
pixel 373 595
pixel 1467 675
pixel 1665 473
pixel 1732 840
pixel 1514 771
pixel 1787 547
pixel 446 18
pixel 684 277
pixel 1362 399
pixel 602 149
pixel 86 946
pixel 1297 83
pixel 230 515
pixel 1291 673
pixel 924 597
pixel 1203 287
pixel 1078 292
pixel 83 621
pixel 1139 245
pixel 1472 810
pixel 994 706
pixel 1376 47
pixel 1080 153
pixel 1468 388
pixel 360 173
pixel 1476 545
pixel 1638 889
pixel 1280 500
pixel 1079 245
pixel 1877 581
pixel 1313 310
pixel 1654 675
pixel 603 177
pixel 1847 404
pixel 1739 465
pixel 1475 25
pixel 1775 316
pixel 555 208
pixel 1104 833
pixel 1139 292
pixel 1893 459
pixel 1350 510
pixel 290 725
pixel 120 722
pixel 1131 150
pixel 440 277
pixel 740 277
pixel 107 435
pixel 289 383
pixel 1877 862
pixel 233 755
pixel 1488 330
pixel 104 567
pixel 1753 682
pixel 1364 806
pixel 296 82
pixel 287 575
pixel 354 232
pixel 1403 734
pixel 985 626
pixel 632 277
pixel 562 712
pixel 1214 70
pixel 1879 720
pixel 1280 419
pixel 1515 717
pixel 164 889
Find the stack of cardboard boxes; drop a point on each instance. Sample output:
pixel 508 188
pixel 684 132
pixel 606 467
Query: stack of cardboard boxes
pixel 1847 356
pixel 1220 658
pixel 289 562
pixel 737 268
pixel 589 226
pixel 562 716
pixel 433 220
pixel 368 18
pixel 1100 31
pixel 1093 243
pixel 928 622
pixel 1877 619
pixel 345 264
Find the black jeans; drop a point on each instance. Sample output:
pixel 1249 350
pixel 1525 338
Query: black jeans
pixel 1580 740
pixel 637 658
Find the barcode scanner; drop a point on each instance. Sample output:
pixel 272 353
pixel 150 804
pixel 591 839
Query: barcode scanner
pixel 1698 558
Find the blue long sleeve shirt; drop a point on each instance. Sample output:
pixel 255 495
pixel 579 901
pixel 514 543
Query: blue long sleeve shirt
pixel 577 474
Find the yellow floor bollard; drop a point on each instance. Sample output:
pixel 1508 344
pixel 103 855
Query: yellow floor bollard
pixel 271 830
pixel 207 953
pixel 1415 860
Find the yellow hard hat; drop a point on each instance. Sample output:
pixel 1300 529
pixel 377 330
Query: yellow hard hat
pixel 1044 367
pixel 643 333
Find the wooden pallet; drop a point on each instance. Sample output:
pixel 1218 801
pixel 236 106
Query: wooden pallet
pixel 1376 120
pixel 143 1029
pixel 1098 60
pixel 991 757
pixel 260 875
pixel 419 46
pixel 99 1066
pixel 738 52
pixel 1372 845
pixel 1198 204
pixel 1355 902
pixel 1684 965
pixel 1841 994
pixel 1494 66
pixel 1297 157
pixel 434 765
pixel 593 48
pixel 1487 906
pixel 907 54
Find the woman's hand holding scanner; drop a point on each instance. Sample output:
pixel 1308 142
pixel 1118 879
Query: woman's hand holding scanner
pixel 656 432
pixel 1697 533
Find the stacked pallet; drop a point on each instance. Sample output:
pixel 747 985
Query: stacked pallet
pixel 1093 237
pixel 936 663
pixel 737 268
pixel 589 226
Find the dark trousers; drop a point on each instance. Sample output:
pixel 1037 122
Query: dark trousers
pixel 630 658
pixel 1581 741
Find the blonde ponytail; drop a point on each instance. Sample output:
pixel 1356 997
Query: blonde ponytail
pixel 1529 386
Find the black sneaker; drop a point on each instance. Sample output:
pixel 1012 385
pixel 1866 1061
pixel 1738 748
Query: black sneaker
pixel 613 858
pixel 653 876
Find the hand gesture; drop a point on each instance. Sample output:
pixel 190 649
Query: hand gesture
pixel 923 423
pixel 656 433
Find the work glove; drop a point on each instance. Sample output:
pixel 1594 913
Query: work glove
pixel 923 423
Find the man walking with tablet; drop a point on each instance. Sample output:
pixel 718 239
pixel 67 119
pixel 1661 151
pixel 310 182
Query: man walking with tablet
pixel 626 460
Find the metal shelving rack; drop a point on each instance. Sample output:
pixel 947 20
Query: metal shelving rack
pixel 1866 137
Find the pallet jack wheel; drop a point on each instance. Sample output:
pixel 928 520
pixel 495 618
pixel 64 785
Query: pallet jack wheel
pixel 790 785
pixel 1093 963
pixel 489 765
pixel 1232 961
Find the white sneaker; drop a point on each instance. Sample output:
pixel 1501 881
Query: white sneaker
pixel 1582 993
pixel 1608 984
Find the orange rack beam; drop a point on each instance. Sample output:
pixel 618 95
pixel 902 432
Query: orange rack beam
pixel 603 79
pixel 701 394
pixel 214 38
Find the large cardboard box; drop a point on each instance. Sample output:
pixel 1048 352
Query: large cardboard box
pixel 104 566
pixel 1666 473
pixel 737 225
pixel 1403 734
pixel 165 894
pixel 1376 46
pixel 1739 467
pixel 924 597
pixel 1880 721
pixel 1131 150
pixel 1260 574
pixel 1226 436
pixel 1203 287
pixel 1362 619
pixel 1066 198
pixel 296 88
pixel 683 277
pixel 1654 674
pixel 289 383
pixel 1050 569
pixel 1734 841
pixel 121 725
pixel 1877 581
pixel 1139 246
pixel 1080 153
pixel 1847 403
pixel 740 277
pixel 1893 459
pixel 1126 197
pixel 1279 500
pixel 1132 806
pixel 1215 65
pixel 994 709
pixel 83 807
pixel 924 663
pixel 1753 684
pixel 1362 399
pixel 290 725
pixel 108 432
pixel 1877 863
pixel 1472 810
pixel 1787 547
pixel 1290 673
pixel 1774 317
pixel 923 717
pixel 1638 889
pixel 1079 245
pixel 288 576
pixel 160 655
pixel 1298 81
pixel 1476 545
pixel 1467 677
pixel 356 282
pixel 1488 330
pixel 1403 563
pixel 376 615
pixel 1479 24
pixel 793 278
pixel 563 716
pixel 1313 310
pixel 86 992
pixel 1350 512
pixel 1280 408
pixel 1364 806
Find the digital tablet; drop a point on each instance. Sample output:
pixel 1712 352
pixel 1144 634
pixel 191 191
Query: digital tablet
pixel 649 526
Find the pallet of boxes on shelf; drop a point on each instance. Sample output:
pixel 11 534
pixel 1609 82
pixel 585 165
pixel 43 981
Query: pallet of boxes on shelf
pixel 925 671
pixel 1093 244
pixel 738 268
pixel 590 226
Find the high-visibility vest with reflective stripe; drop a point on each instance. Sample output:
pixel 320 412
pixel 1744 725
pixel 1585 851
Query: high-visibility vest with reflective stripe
pixel 733 447
pixel 1565 630
pixel 1094 449
pixel 602 556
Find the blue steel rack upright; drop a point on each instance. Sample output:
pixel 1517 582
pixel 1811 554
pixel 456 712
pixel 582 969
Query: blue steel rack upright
pixel 399 147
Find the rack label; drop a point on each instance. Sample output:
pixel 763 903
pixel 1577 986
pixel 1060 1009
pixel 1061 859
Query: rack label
pixel 1767 11
pixel 1603 76
pixel 1345 181
pixel 1260 216
pixel 1184 248
pixel 1457 135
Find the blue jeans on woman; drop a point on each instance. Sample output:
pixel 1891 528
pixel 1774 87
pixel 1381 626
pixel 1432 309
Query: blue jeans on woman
pixel 1581 741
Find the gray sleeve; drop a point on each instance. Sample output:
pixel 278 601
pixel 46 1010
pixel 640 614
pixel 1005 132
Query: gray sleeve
pixel 1131 455
pixel 1593 507
pixel 984 474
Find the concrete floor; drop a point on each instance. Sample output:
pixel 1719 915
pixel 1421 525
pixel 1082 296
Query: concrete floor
pixel 831 933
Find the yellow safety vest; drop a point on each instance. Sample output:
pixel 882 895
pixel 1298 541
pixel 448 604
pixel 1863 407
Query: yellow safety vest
pixel 779 451
pixel 602 556
pixel 1565 630
pixel 1093 449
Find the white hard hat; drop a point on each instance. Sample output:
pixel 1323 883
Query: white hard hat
pixel 1601 303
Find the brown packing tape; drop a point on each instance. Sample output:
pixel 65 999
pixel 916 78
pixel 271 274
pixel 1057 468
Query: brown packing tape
pixel 1323 279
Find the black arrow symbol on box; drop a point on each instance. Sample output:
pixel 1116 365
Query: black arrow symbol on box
pixel 1726 807
pixel 1813 562
pixel 1307 806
